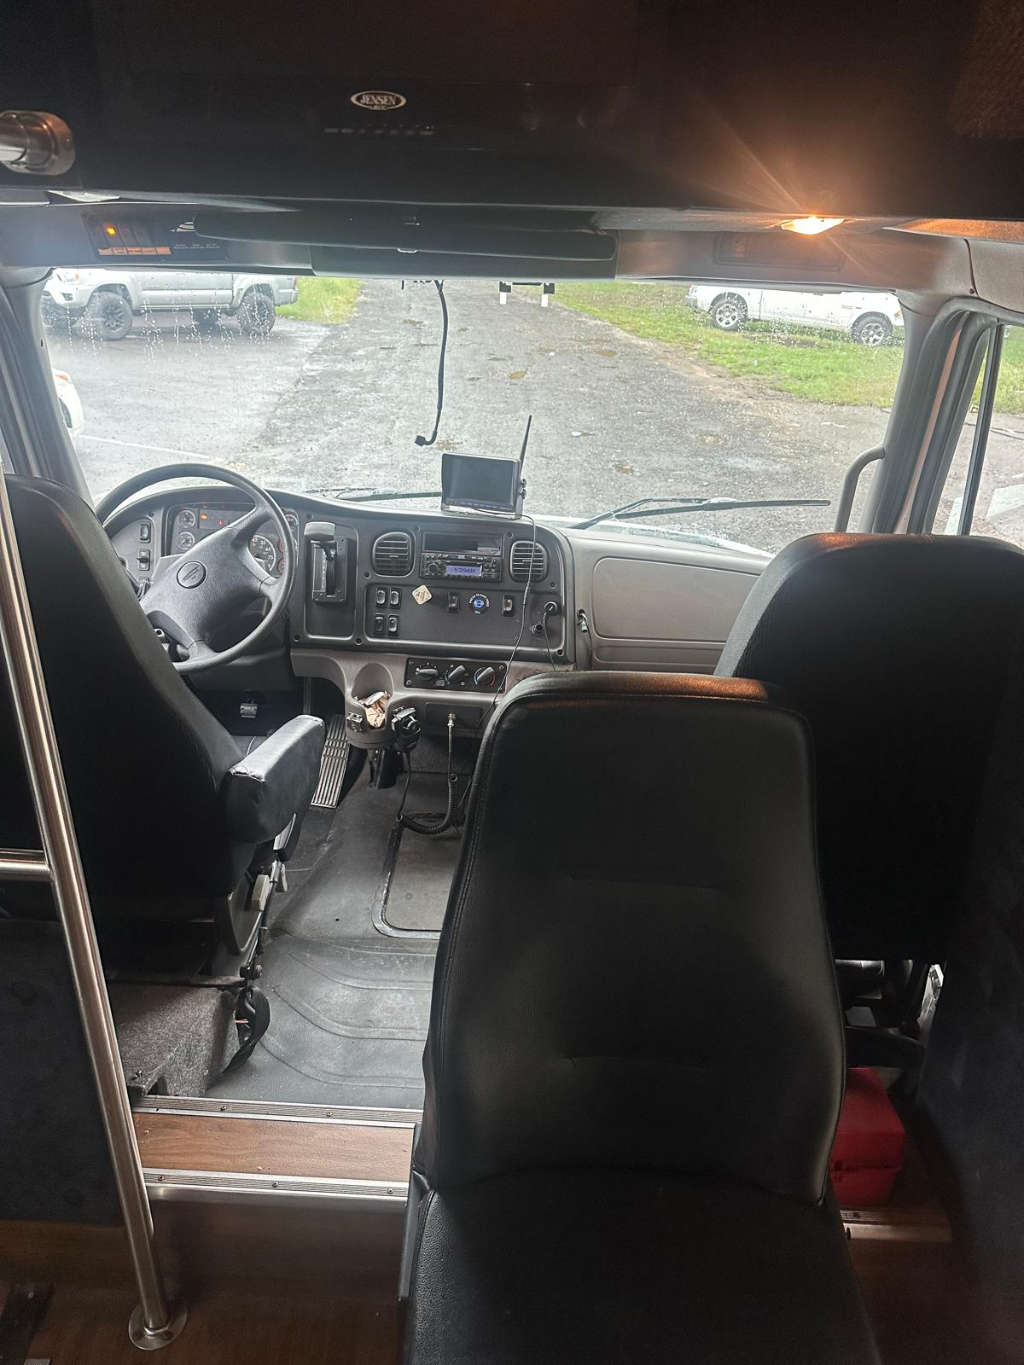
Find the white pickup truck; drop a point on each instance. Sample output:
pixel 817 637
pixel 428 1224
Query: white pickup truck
pixel 106 302
pixel 868 318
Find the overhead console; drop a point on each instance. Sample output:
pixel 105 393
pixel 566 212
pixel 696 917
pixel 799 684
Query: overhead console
pixel 628 102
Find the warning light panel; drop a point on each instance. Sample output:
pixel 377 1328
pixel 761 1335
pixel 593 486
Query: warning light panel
pixel 149 236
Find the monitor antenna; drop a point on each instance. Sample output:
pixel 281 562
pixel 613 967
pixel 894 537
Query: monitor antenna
pixel 526 439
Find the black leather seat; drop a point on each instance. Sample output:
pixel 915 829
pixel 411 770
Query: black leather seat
pixel 896 649
pixel 634 1065
pixel 169 812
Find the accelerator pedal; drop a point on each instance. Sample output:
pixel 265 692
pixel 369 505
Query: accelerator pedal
pixel 332 764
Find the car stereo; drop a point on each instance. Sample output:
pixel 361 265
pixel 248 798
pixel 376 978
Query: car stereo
pixel 459 557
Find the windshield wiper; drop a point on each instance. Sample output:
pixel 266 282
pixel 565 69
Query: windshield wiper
pixel 364 493
pixel 660 507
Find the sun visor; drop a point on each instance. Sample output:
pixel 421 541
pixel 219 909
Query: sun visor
pixel 398 242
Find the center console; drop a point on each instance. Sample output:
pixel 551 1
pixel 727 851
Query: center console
pixel 449 589
pixel 442 614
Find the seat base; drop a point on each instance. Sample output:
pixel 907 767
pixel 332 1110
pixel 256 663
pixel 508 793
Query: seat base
pixel 598 1267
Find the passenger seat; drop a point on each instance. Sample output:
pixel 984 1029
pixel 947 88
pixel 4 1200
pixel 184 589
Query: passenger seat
pixel 897 650
pixel 634 1064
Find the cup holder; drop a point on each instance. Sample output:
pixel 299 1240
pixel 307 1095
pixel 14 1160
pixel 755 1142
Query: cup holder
pixel 370 679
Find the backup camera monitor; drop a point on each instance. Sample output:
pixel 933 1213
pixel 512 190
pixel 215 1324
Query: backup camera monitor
pixel 480 483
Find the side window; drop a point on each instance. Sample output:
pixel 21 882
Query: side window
pixel 984 490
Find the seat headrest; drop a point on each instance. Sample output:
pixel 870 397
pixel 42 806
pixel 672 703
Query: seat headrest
pixel 897 649
pixel 855 582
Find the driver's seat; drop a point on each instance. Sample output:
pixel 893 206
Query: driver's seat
pixel 169 815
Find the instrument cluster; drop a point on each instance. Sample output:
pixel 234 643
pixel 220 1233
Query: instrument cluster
pixel 195 523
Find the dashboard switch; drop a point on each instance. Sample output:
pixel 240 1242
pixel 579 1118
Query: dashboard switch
pixel 453 601
pixel 145 531
pixel 479 603
pixel 395 597
pixel 380 596
pixel 508 605
pixel 378 625
pixel 392 625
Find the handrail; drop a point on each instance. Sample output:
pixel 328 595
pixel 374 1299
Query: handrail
pixel 850 481
pixel 23 865
pixel 986 403
pixel 152 1324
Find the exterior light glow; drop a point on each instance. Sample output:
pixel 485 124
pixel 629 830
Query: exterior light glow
pixel 811 225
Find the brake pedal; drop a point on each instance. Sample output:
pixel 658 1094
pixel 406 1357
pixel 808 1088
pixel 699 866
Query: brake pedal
pixel 332 764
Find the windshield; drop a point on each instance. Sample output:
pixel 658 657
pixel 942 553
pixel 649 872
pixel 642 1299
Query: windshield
pixel 637 391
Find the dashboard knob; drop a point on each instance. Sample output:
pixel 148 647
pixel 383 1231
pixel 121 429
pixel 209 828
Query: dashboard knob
pixel 483 677
pixel 427 673
pixel 479 602
pixel 455 674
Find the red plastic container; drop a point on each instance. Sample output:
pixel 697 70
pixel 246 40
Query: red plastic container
pixel 867 1155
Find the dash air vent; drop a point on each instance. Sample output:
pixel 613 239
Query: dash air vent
pixel 391 555
pixel 528 561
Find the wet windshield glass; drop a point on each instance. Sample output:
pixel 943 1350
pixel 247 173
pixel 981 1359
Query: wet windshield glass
pixel 636 390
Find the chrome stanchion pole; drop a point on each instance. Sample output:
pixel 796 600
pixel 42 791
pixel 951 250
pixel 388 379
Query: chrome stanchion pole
pixel 153 1324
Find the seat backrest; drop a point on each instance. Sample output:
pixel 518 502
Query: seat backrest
pixel 634 969
pixel 895 649
pixel 143 758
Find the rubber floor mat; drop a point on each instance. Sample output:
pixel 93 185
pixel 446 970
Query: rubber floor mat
pixel 347 1026
pixel 349 1004
pixel 417 890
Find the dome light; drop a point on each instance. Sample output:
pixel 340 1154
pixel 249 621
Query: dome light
pixel 810 226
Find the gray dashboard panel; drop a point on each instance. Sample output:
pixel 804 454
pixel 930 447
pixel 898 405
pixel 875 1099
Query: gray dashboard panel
pixel 653 605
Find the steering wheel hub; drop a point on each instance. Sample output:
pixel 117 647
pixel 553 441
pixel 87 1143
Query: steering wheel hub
pixel 190 575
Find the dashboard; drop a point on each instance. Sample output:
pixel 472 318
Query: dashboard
pixel 447 611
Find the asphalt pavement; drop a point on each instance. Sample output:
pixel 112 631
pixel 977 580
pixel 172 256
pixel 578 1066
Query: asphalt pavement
pixel 316 406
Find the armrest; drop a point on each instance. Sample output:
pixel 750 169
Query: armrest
pixel 276 781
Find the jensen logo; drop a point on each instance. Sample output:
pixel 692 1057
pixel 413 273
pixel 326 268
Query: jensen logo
pixel 378 100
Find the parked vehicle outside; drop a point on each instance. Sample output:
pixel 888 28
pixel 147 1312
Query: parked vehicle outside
pixel 69 402
pixel 870 319
pixel 106 302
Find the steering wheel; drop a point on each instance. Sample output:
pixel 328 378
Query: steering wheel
pixel 193 594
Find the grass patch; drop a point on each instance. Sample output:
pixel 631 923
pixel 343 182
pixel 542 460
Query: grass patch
pixel 1010 389
pixel 822 367
pixel 322 300
pixel 819 366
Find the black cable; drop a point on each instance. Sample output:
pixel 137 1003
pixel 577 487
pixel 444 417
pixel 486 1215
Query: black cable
pixel 417 823
pixel 522 622
pixel 547 641
pixel 423 440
